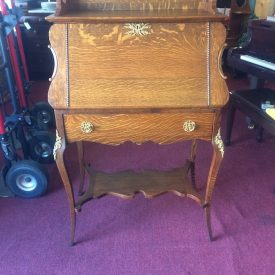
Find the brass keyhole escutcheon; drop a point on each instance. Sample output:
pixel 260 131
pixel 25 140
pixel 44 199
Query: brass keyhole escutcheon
pixel 86 127
pixel 189 126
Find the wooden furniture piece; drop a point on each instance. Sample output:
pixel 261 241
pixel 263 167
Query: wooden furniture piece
pixel 237 22
pixel 249 102
pixel 137 71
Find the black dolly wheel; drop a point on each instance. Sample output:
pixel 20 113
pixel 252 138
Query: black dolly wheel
pixel 27 179
pixel 42 115
pixel 41 144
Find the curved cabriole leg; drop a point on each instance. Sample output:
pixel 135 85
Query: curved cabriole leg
pixel 59 149
pixel 193 159
pixel 80 153
pixel 218 151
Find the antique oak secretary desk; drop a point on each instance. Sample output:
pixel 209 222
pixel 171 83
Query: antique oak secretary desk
pixel 140 70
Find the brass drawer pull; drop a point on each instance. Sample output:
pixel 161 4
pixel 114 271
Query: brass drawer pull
pixel 86 127
pixel 189 126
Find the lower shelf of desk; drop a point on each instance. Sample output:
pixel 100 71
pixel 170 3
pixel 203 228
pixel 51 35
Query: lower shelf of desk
pixel 150 183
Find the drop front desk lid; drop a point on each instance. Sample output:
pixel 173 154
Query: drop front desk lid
pixel 103 62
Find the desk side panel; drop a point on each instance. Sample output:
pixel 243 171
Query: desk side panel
pixel 57 95
pixel 218 87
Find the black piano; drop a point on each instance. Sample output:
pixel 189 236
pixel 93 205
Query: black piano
pixel 257 57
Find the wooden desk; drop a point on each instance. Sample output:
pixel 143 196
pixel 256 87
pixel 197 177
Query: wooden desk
pixel 138 72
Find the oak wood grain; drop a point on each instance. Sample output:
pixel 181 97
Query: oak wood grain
pixel 58 89
pixel 105 93
pixel 171 58
pixel 142 4
pixel 61 165
pixel 63 6
pixel 123 16
pixel 138 128
pixel 218 88
pixel 217 157
pixel 126 184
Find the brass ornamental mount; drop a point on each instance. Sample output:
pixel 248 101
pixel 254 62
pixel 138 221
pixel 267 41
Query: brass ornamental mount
pixel 86 127
pixel 219 142
pixel 138 29
pixel 189 126
pixel 57 145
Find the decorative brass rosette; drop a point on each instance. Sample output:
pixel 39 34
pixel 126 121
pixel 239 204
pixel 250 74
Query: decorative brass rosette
pixel 189 126
pixel 86 127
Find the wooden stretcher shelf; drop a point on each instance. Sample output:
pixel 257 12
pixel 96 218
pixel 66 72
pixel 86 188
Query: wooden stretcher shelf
pixel 150 183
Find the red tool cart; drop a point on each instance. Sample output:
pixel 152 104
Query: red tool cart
pixel 26 137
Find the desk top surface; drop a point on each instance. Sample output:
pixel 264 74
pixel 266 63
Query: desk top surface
pixel 120 16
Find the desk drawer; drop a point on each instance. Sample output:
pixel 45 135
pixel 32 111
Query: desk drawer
pixel 138 128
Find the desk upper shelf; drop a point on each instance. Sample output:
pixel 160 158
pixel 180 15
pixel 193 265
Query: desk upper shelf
pixel 66 6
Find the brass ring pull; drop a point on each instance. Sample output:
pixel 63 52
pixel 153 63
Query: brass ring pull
pixel 189 126
pixel 220 61
pixel 55 63
pixel 86 127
